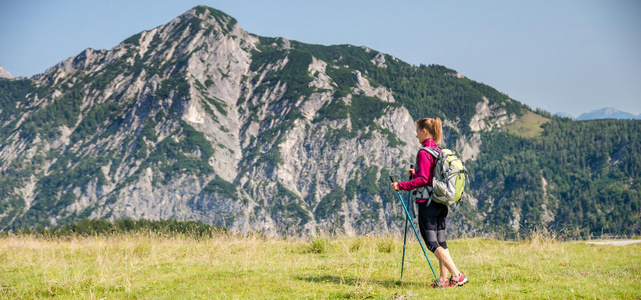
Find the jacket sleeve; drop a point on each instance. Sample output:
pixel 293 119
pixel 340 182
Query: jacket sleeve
pixel 424 163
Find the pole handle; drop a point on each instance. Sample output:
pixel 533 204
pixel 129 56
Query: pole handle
pixel 391 177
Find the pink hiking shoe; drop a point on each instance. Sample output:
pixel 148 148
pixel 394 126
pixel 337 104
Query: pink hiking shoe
pixel 444 284
pixel 458 281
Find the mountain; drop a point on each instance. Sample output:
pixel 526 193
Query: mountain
pixel 607 113
pixel 199 120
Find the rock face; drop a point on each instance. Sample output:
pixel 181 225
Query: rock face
pixel 5 74
pixel 198 119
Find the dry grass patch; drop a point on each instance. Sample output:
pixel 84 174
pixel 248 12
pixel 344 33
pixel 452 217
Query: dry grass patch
pixel 231 267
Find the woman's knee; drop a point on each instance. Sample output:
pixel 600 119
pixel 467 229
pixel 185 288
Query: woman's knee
pixel 440 238
pixel 432 242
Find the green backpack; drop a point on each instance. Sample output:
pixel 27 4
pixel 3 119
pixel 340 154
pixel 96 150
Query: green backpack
pixel 449 178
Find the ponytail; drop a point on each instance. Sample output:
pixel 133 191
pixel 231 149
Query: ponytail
pixel 433 126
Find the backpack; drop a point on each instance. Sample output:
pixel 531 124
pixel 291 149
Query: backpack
pixel 449 178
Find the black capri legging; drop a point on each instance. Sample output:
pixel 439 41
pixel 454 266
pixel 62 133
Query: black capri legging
pixel 431 221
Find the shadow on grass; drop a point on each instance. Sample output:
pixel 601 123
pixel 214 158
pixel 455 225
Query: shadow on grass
pixel 342 280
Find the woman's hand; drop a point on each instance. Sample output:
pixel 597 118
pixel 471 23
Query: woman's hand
pixel 410 172
pixel 395 186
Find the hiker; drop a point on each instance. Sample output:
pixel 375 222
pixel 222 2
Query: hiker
pixel 431 215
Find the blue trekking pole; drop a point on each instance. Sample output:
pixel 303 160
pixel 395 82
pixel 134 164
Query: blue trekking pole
pixel 405 235
pixel 407 214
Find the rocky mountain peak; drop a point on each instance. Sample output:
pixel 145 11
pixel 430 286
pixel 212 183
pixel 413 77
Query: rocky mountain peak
pixel 212 16
pixel 198 119
pixel 203 20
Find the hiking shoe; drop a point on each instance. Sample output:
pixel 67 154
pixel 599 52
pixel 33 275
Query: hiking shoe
pixel 458 281
pixel 444 284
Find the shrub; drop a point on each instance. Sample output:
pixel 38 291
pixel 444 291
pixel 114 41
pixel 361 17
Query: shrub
pixel 386 245
pixel 318 245
pixel 102 227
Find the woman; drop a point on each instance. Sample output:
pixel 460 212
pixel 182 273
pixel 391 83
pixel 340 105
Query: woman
pixel 431 217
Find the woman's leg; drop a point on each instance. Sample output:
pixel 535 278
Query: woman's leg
pixel 445 259
pixel 457 279
pixel 443 253
pixel 443 275
pixel 427 219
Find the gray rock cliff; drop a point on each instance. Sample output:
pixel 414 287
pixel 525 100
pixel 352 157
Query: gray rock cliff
pixel 199 120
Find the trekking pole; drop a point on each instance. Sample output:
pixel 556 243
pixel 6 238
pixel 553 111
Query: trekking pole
pixel 407 214
pixel 405 235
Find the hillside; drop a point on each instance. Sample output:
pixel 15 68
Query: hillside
pixel 198 119
pixel 578 178
pixel 251 267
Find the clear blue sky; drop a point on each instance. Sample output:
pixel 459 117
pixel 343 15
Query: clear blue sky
pixel 563 56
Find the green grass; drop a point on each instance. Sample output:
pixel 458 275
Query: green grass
pixel 528 125
pixel 231 267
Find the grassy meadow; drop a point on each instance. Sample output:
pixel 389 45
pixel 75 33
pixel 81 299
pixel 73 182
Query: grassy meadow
pixel 228 266
pixel 528 126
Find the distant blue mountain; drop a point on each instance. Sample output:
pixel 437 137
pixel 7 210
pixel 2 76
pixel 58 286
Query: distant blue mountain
pixel 607 113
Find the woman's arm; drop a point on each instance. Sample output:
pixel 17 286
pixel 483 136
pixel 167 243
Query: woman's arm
pixel 424 163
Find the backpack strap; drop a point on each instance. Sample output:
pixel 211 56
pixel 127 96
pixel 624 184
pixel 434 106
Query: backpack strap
pixel 425 192
pixel 435 152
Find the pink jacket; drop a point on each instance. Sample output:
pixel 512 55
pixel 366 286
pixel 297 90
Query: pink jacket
pixel 423 174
